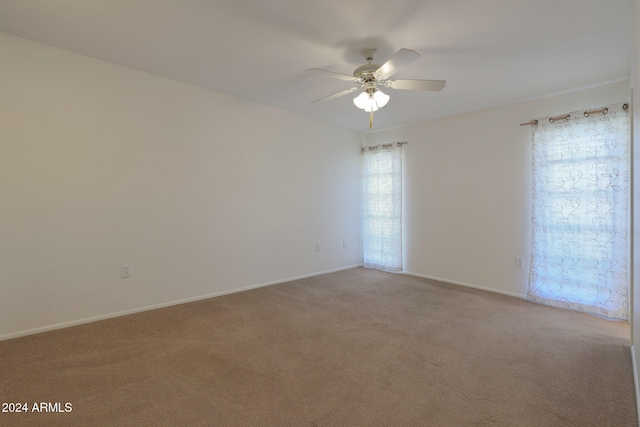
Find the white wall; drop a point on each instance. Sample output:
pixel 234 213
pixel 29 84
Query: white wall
pixel 467 189
pixel 200 192
pixel 635 275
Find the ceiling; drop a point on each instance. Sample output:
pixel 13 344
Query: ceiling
pixel 490 52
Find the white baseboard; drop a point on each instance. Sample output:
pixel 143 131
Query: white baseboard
pixel 635 380
pixel 466 285
pixel 163 305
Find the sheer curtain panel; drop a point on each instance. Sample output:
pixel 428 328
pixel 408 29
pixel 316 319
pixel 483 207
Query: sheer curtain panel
pixel 382 216
pixel 580 214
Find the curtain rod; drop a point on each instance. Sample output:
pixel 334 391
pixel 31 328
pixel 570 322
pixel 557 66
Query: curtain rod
pixel 566 117
pixel 375 147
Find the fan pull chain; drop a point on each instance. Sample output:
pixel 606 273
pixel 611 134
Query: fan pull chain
pixel 371 120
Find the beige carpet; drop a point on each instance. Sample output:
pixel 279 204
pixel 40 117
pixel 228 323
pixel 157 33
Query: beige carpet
pixel 354 348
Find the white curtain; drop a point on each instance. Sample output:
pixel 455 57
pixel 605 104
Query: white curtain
pixel 580 213
pixel 382 216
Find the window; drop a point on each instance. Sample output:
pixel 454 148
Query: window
pixel 382 210
pixel 580 212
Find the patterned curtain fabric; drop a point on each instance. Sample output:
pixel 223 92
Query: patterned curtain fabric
pixel 580 213
pixel 382 216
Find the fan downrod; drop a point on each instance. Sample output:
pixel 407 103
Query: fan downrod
pixel 366 71
pixel 369 54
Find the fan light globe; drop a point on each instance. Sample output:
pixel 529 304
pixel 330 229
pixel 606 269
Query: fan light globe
pixel 364 102
pixel 370 103
pixel 381 98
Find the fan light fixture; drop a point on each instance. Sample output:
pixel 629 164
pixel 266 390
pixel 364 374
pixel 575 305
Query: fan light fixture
pixel 371 101
pixel 372 98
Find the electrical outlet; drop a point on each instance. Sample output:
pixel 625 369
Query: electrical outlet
pixel 317 247
pixel 125 271
pixel 519 261
pixel 344 244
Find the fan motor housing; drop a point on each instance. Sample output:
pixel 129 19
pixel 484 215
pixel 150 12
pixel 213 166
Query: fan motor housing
pixel 364 70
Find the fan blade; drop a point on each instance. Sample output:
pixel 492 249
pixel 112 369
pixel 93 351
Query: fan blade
pixel 332 74
pixel 336 95
pixel 416 84
pixel 401 59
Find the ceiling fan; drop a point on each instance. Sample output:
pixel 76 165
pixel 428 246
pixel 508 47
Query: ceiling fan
pixel 371 77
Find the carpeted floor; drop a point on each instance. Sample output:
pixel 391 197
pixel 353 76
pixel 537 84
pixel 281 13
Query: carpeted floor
pixel 354 348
